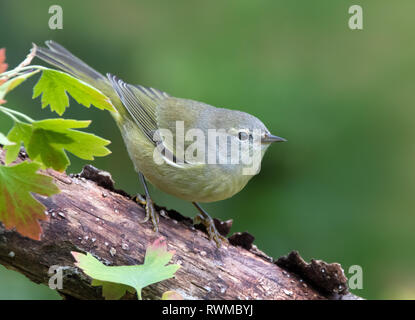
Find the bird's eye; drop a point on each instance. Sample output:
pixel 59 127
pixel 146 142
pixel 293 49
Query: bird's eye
pixel 243 136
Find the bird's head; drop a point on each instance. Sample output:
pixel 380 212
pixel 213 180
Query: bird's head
pixel 246 131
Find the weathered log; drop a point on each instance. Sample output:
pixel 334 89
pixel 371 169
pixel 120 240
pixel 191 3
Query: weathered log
pixel 91 216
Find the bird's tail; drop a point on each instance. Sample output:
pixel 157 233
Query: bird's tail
pixel 59 57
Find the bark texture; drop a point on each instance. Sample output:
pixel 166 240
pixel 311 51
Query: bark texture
pixel 90 216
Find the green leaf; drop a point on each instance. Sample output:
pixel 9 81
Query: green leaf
pixel 116 280
pixel 45 146
pixel 47 140
pixel 53 85
pixel 4 141
pixel 18 208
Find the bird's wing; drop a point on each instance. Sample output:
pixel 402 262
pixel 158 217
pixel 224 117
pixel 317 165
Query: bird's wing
pixel 186 120
pixel 141 104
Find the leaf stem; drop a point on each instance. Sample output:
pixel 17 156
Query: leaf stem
pixel 11 113
pixel 14 72
pixel 6 112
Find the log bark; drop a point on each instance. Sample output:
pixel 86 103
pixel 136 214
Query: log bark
pixel 90 216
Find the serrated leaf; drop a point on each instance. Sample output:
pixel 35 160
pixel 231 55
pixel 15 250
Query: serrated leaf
pixel 18 208
pixel 4 141
pixel 54 86
pixel 116 280
pixel 45 146
pixel 47 140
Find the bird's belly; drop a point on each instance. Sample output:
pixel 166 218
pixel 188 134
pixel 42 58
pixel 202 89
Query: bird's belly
pixel 202 184
pixel 195 184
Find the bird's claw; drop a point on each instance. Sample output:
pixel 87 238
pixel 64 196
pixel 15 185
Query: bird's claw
pixel 211 229
pixel 151 212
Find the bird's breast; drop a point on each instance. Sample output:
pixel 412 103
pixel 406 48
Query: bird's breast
pixel 199 183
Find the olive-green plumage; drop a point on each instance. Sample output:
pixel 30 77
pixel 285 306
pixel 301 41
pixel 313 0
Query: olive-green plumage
pixel 142 111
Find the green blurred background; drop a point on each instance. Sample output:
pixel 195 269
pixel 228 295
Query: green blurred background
pixel 340 190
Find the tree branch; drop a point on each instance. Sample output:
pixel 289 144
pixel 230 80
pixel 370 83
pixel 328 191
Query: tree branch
pixel 90 216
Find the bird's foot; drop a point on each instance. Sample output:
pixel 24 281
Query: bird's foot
pixel 213 233
pixel 151 212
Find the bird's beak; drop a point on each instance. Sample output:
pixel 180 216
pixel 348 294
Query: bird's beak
pixel 268 138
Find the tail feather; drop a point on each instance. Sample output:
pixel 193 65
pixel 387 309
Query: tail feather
pixel 61 58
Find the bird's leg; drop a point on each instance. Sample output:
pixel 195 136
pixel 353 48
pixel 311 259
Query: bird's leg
pixel 204 218
pixel 151 212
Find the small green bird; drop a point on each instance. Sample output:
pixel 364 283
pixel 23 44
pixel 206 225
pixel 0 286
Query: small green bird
pixel 142 113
